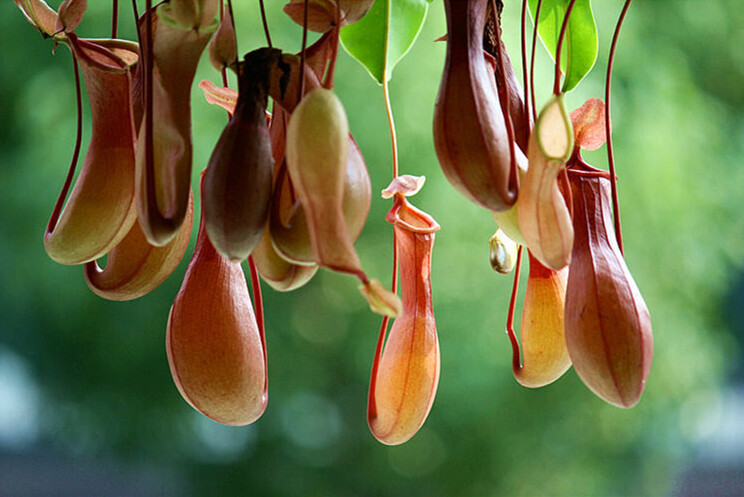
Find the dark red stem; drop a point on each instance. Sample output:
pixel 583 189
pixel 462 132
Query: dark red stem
pixel 589 173
pixel 136 24
pixel 75 154
pixel 302 51
pixel 265 22
pixel 258 305
pixel 608 128
pixel 115 19
pixel 532 62
pixel 559 48
pixel 232 19
pixel 147 49
pixel 516 361
pixel 149 147
pixel 223 72
pixel 524 69
pixel 502 85
pixel 567 193
pixel 328 83
pixel 371 403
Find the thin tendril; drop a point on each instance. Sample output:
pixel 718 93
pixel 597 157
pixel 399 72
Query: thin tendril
pixel 513 177
pixel 149 69
pixel 559 48
pixel 255 280
pixel 524 69
pixel 75 154
pixel 258 304
pixel 532 61
pixel 394 145
pixel 371 403
pixel 150 190
pixel 115 19
pixel 516 361
pixel 391 124
pixel 223 72
pixel 589 173
pixel 266 23
pixel 136 23
pixel 232 18
pixel 568 196
pixel 302 51
pixel 222 18
pixel 328 83
pixel 608 129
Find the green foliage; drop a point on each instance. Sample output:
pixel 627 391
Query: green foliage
pixel 385 35
pixel 580 44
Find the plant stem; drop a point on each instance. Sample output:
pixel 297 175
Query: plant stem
pixel 302 51
pixel 258 305
pixel 75 154
pixel 115 19
pixel 504 94
pixel 266 23
pixel 559 48
pixel 516 361
pixel 524 70
pixel 608 128
pixel 532 61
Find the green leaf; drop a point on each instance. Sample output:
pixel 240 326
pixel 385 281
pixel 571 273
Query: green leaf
pixel 385 35
pixel 580 45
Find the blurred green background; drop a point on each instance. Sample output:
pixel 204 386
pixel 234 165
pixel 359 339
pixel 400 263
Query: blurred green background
pixel 87 404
